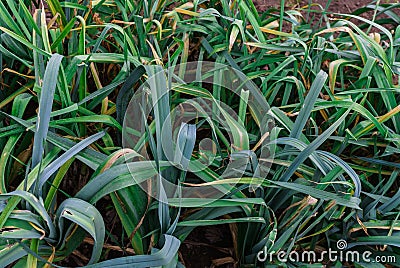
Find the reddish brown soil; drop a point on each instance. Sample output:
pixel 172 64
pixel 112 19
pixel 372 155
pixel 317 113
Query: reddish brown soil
pixel 338 6
pixel 332 8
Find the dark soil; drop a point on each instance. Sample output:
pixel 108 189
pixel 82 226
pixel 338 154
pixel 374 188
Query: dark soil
pixel 209 246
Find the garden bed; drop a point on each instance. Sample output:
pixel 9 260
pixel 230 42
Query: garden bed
pixel 309 149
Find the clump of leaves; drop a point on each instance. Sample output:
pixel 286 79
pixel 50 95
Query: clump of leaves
pixel 69 70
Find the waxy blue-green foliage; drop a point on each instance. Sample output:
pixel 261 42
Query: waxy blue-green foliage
pixel 69 69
